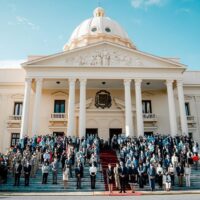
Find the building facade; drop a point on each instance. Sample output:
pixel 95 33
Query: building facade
pixel 99 84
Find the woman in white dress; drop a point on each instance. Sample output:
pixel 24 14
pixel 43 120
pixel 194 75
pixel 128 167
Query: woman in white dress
pixel 167 181
pixel 65 175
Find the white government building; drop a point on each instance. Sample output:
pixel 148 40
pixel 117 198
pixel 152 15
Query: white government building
pixel 99 84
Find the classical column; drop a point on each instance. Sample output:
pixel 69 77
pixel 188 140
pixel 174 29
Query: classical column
pixel 172 112
pixel 71 108
pixel 82 108
pixel 139 114
pixel 25 111
pixel 36 111
pixel 128 109
pixel 183 117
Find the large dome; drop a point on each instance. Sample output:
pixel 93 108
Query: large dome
pixel 96 29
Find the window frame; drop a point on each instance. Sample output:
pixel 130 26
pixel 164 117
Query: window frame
pixel 16 139
pixel 187 109
pixel 145 103
pixel 60 109
pixel 18 110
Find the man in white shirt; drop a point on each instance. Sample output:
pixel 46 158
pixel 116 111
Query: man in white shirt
pixel 93 171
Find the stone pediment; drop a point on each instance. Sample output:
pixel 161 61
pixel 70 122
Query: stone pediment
pixel 103 55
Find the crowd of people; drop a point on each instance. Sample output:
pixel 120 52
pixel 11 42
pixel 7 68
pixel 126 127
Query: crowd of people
pixel 150 160
pixel 48 154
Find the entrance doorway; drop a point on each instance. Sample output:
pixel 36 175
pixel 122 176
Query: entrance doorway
pixel 148 133
pixel 91 132
pixel 114 131
pixel 59 134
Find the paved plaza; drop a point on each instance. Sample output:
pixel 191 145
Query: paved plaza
pixel 149 197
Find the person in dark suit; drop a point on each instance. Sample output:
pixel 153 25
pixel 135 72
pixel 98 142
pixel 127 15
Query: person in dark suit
pixel 69 162
pixel 27 171
pixel 110 178
pixel 152 176
pixel 79 175
pixel 180 174
pixel 122 176
pixel 18 169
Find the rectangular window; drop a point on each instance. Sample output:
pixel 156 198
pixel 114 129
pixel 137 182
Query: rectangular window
pixel 14 139
pixel 187 109
pixel 59 106
pixel 146 106
pixel 17 108
pixel 190 135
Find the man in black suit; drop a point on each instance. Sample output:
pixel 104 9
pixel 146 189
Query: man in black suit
pixel 27 171
pixel 122 177
pixel 79 175
pixel 180 174
pixel 18 169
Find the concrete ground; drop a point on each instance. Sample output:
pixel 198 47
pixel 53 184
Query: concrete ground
pixel 102 195
pixel 149 197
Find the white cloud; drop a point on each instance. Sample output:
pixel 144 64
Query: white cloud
pixel 25 21
pixel 11 63
pixel 146 3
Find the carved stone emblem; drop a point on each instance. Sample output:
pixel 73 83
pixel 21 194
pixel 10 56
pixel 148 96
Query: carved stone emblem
pixel 103 99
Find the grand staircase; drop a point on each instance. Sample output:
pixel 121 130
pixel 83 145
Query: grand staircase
pixel 106 157
pixel 37 186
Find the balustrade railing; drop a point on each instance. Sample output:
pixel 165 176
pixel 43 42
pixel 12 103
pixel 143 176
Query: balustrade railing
pixel 58 116
pixel 15 117
pixel 190 118
pixel 149 116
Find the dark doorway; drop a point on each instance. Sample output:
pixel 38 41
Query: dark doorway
pixel 148 134
pixel 59 134
pixel 91 131
pixel 114 131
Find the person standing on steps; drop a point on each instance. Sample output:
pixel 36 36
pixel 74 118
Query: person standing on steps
pixel 65 175
pixel 152 176
pixel 93 171
pixel 171 171
pixel 110 177
pixel 166 181
pixel 17 172
pixel 79 175
pixel 122 176
pixel 45 172
pixel 55 170
pixel 27 172
pixel 180 174
pixel 132 173
pixel 187 171
pixel 116 175
pixel 69 162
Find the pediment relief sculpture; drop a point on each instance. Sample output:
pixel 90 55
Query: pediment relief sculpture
pixel 104 57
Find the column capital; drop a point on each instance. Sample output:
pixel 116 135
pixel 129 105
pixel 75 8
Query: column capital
pixel 138 81
pixel 28 80
pixel 38 81
pixel 72 80
pixel 83 81
pixel 169 81
pixel 179 82
pixel 127 82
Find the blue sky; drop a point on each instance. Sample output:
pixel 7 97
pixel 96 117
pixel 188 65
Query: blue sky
pixel 168 28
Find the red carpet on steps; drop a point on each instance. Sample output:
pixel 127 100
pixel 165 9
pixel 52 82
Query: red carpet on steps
pixel 107 156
